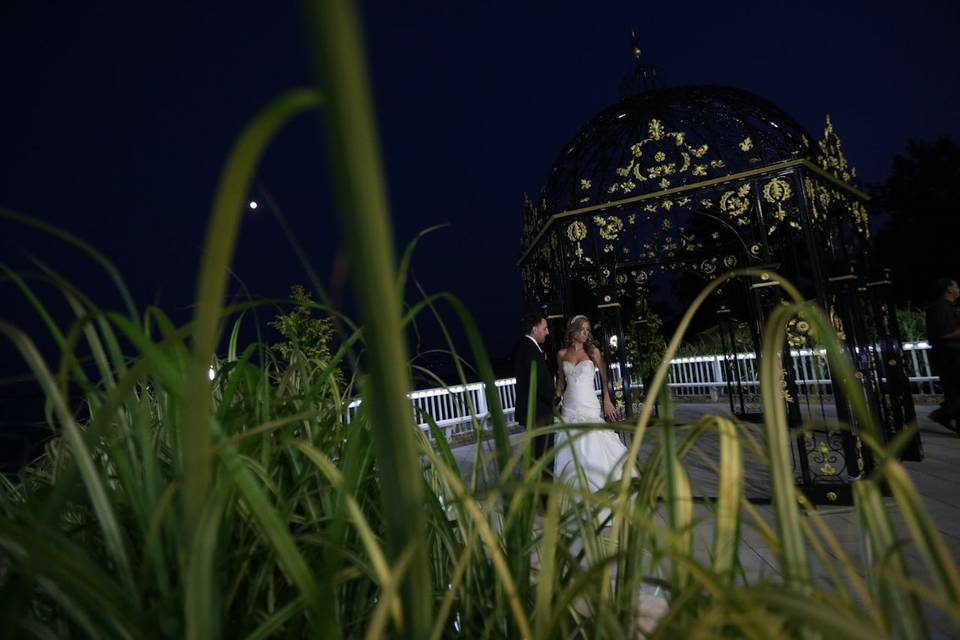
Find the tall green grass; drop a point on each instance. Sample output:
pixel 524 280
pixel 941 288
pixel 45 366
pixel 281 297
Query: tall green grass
pixel 247 506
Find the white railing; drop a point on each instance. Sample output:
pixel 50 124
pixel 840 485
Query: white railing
pixel 456 408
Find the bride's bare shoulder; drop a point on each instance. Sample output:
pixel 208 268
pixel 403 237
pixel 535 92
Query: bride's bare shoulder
pixel 561 354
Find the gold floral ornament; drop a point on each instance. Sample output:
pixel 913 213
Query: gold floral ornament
pixel 776 192
pixel 798 333
pixel 656 129
pixel 860 218
pixel 783 385
pixel 654 158
pixel 831 157
pixel 819 199
pixel 735 204
pixel 609 226
pixel 618 395
pixel 577 232
pixel 837 323
pixel 746 144
pixel 585 186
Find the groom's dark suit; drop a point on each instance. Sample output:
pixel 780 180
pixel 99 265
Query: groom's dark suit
pixel 525 352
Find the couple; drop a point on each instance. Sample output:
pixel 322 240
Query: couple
pixel 600 453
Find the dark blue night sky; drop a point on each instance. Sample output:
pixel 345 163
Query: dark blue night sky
pixel 116 118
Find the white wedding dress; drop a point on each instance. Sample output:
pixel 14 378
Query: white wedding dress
pixel 599 452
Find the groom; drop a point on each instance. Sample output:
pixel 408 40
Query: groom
pixel 529 349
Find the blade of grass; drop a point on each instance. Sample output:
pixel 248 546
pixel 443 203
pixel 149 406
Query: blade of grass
pixel 333 34
pixel 99 498
pixel 217 254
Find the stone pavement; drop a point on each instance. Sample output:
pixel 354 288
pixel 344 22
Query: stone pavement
pixel 937 478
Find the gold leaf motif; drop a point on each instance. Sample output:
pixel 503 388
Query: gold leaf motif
pixel 610 227
pixel 783 386
pixel 746 144
pixel 735 204
pixel 667 204
pixel 860 219
pixel 831 157
pixel 576 231
pixel 639 173
pixel 585 184
pixel 656 129
pixel 837 324
pixel 777 191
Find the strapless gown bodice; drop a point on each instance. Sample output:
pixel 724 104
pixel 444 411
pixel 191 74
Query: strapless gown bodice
pixel 599 451
pixel 580 403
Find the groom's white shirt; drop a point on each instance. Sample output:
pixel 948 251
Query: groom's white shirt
pixel 534 341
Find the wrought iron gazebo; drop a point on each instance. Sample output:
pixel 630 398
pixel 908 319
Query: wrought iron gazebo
pixel 701 180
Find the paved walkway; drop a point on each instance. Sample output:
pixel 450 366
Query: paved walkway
pixel 937 478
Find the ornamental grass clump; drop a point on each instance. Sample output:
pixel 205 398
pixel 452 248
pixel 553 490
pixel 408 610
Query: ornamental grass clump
pixel 248 506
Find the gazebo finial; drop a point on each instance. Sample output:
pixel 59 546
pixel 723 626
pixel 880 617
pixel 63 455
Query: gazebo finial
pixel 642 77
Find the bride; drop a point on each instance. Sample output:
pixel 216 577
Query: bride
pixel 599 452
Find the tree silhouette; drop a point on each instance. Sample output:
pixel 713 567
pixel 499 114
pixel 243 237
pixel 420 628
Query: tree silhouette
pixel 921 200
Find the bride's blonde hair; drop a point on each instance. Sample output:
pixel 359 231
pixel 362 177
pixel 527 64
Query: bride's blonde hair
pixel 573 327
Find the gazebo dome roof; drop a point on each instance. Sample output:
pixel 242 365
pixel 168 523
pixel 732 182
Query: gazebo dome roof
pixel 665 138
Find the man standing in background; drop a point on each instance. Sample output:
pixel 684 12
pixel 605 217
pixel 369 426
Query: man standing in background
pixel 527 351
pixel 943 332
